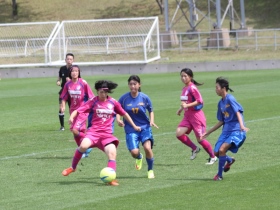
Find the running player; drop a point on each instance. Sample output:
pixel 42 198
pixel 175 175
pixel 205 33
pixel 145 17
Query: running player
pixel 136 104
pixel 100 134
pixel 194 119
pixel 77 91
pixel 230 116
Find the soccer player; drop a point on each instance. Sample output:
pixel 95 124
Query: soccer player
pixel 136 104
pixel 194 119
pixel 230 116
pixel 63 77
pixel 77 91
pixel 100 133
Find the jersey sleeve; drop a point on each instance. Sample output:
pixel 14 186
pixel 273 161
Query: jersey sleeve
pixel 235 105
pixel 86 107
pixel 60 72
pixel 196 94
pixel 148 104
pixel 220 115
pixel 118 108
pixel 88 91
pixel 64 94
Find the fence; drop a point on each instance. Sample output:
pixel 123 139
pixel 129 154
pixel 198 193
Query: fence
pixel 237 39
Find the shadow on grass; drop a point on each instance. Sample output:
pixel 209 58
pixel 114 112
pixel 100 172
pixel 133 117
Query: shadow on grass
pixel 51 158
pixel 166 165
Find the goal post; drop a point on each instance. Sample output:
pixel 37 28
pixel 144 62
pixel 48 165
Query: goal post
pixel 106 41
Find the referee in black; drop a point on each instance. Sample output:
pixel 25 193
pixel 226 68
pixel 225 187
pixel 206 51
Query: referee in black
pixel 63 77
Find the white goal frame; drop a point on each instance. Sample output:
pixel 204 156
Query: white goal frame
pixel 106 41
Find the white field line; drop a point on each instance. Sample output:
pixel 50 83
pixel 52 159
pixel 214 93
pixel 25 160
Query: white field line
pixel 161 134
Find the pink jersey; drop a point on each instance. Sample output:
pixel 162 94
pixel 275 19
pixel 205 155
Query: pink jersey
pixel 78 93
pixel 191 94
pixel 104 113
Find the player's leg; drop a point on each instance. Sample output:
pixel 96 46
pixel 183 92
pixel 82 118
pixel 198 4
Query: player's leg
pixel 147 140
pixel 132 144
pixel 85 144
pixel 181 135
pixel 110 150
pixel 61 116
pixel 236 140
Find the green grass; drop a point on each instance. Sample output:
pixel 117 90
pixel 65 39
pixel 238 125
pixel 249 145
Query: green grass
pixel 33 152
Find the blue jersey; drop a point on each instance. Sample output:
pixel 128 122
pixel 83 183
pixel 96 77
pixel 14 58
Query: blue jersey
pixel 136 108
pixel 227 109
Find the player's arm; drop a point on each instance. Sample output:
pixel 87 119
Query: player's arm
pixel 62 105
pixel 215 127
pixel 119 121
pixel 185 105
pixel 72 116
pixel 130 121
pixel 152 119
pixel 242 127
pixel 58 83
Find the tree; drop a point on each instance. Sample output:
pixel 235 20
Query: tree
pixel 15 11
pixel 161 6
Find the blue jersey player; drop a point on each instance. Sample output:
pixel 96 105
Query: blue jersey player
pixel 230 116
pixel 137 104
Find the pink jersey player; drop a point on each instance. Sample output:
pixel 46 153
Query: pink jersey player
pixel 100 133
pixel 77 91
pixel 194 118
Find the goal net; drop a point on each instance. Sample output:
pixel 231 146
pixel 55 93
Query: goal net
pixel 25 43
pixel 107 41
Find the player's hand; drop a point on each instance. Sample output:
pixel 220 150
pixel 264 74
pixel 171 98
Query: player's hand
pixel 179 111
pixel 70 121
pixel 204 136
pixel 244 129
pixel 120 123
pixel 153 124
pixel 137 128
pixel 184 105
pixel 58 83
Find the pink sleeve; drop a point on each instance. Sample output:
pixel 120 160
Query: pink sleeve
pixel 196 94
pixel 89 91
pixel 86 107
pixel 64 95
pixel 118 109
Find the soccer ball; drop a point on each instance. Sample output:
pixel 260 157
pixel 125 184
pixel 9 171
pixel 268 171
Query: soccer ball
pixel 107 174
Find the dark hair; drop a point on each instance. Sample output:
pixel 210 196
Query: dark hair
pixel 69 54
pixel 190 73
pixel 107 85
pixel 224 83
pixel 71 68
pixel 135 78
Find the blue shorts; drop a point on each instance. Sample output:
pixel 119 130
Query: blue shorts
pixel 133 139
pixel 236 139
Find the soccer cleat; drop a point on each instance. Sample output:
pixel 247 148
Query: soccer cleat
pixel 194 153
pixel 217 178
pixel 114 183
pixel 86 153
pixel 61 129
pixel 138 163
pixel 68 171
pixel 228 165
pixel 151 174
pixel 211 161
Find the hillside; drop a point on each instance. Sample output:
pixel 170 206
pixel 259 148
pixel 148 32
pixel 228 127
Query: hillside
pixel 259 13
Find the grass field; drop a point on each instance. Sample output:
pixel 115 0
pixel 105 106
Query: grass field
pixel 33 152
